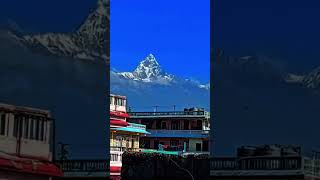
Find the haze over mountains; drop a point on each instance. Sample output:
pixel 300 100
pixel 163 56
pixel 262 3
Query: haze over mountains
pixel 149 85
pixel 256 101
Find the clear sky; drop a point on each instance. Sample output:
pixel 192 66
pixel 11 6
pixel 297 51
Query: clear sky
pixel 45 16
pixel 287 29
pixel 177 32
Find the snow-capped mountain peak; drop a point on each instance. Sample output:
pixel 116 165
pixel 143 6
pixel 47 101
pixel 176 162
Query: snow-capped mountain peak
pixel 149 68
pixel 150 71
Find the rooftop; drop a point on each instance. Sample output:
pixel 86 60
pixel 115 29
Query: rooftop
pixel 24 110
pixel 187 113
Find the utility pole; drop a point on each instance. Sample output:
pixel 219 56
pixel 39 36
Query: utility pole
pixel 63 155
pixel 174 108
pixel 155 108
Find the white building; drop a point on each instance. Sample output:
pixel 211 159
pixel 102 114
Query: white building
pixel 25 137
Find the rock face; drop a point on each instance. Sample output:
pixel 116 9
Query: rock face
pixel 89 42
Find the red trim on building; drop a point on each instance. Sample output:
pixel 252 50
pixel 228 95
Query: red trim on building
pixel 115 169
pixel 30 166
pixel 119 114
pixel 118 123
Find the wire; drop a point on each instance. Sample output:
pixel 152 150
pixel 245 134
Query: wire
pixel 182 168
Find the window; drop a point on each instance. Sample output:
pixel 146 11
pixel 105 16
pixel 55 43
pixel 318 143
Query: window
pixel 163 125
pixel 199 125
pixel 16 125
pixel 26 127
pixel 119 102
pixel 186 125
pixel 175 125
pixel 205 145
pixel 42 130
pixel 37 129
pixel 158 125
pixel 174 143
pixel 32 134
pixel 111 100
pixel 3 124
pixel 198 146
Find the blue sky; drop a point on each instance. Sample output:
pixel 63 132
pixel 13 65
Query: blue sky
pixel 285 29
pixel 176 32
pixel 45 16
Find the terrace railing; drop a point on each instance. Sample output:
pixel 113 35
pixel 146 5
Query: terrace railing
pixel 170 114
pixel 256 163
pixel 99 165
pixel 179 131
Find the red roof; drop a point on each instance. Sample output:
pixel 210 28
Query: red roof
pixel 23 165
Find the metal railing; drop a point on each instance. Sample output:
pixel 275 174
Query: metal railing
pixel 122 149
pixel 170 114
pixel 115 157
pixel 256 163
pixel 179 131
pixel 83 165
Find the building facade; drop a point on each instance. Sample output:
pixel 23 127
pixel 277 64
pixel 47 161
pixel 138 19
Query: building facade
pixel 25 143
pixel 124 136
pixel 186 130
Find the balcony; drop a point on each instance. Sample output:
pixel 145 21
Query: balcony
pixel 179 133
pixel 178 114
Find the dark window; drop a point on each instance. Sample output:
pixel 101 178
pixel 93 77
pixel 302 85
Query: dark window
pixel 164 125
pixel 37 136
pixel 32 129
pixel 156 144
pixel 175 125
pixel 26 127
pixel 158 124
pixel 198 147
pixel 16 126
pixel 205 145
pixel 174 142
pixel 42 130
pixel 186 124
pixel 199 124
pixel 146 144
pixel 3 124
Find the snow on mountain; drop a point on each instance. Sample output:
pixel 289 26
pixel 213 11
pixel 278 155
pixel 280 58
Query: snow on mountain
pixel 312 80
pixel 89 42
pixel 293 78
pixel 150 85
pixel 150 71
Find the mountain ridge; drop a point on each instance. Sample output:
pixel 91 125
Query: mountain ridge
pixel 150 71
